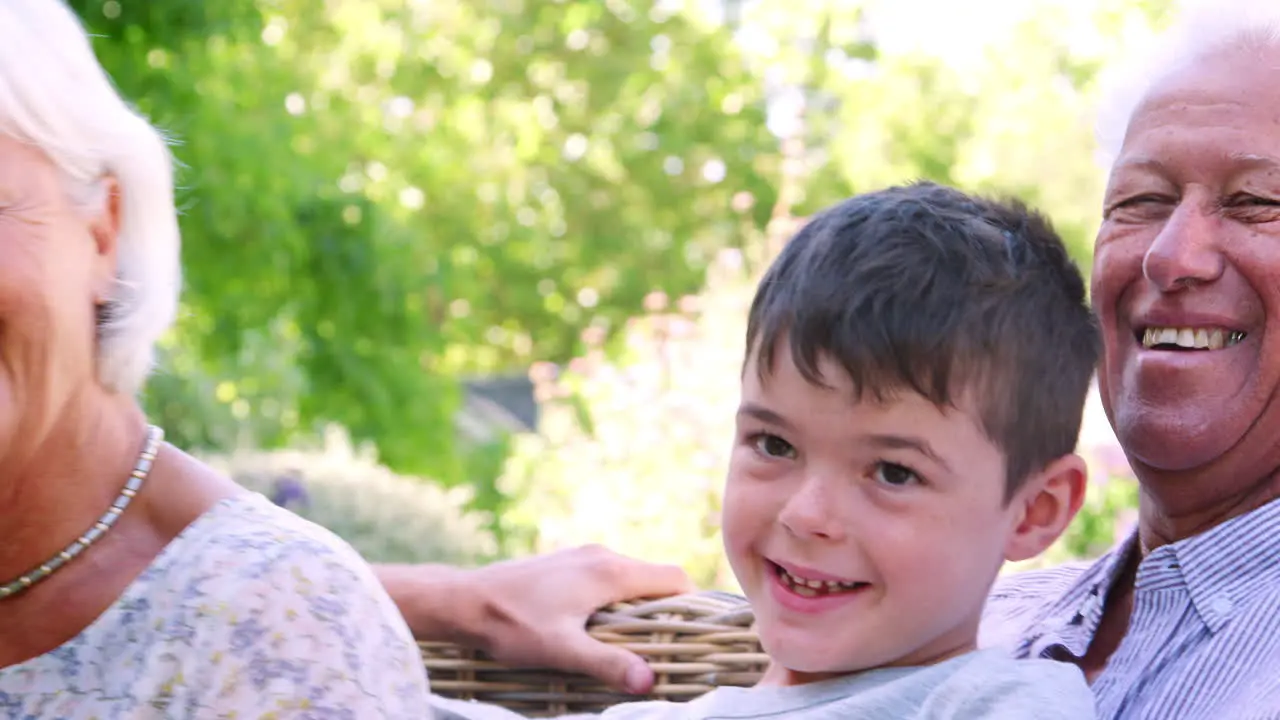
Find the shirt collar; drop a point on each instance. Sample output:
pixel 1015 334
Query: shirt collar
pixel 1225 567
pixel 1073 620
pixel 1222 568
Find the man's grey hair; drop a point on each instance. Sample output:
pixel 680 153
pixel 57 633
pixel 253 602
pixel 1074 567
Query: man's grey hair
pixel 55 95
pixel 1200 29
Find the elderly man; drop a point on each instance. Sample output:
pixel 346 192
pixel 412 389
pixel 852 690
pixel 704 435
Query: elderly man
pixel 1181 620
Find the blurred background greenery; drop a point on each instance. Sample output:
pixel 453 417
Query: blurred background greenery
pixel 467 279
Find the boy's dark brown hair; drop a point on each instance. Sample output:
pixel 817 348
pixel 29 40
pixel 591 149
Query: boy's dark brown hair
pixel 924 288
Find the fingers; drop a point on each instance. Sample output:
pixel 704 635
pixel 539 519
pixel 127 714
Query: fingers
pixel 627 578
pixel 535 610
pixel 617 668
pixel 650 580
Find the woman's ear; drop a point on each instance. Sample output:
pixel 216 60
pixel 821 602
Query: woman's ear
pixel 104 227
pixel 1045 505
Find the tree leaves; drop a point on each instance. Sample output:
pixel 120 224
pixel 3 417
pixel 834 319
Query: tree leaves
pixel 391 201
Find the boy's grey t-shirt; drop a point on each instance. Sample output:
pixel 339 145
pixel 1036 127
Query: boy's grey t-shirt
pixel 980 685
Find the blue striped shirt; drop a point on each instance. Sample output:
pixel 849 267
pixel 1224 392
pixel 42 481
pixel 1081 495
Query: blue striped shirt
pixel 1204 636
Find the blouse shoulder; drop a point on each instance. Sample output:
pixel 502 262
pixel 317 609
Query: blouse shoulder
pixel 250 612
pixel 286 616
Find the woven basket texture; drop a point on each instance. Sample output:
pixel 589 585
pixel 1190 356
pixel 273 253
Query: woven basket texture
pixel 693 642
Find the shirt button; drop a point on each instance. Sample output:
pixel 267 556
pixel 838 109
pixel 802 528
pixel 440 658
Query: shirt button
pixel 1221 606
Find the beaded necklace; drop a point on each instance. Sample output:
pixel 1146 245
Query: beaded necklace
pixel 140 470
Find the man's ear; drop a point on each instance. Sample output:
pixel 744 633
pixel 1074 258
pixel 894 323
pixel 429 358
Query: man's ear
pixel 104 227
pixel 1045 505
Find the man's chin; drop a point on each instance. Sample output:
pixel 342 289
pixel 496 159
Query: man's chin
pixel 1164 442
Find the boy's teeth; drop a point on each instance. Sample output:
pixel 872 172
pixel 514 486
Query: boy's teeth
pixel 1191 338
pixel 810 588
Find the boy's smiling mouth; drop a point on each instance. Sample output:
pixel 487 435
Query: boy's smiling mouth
pixel 811 587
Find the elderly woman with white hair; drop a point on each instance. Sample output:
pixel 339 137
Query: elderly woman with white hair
pixel 134 580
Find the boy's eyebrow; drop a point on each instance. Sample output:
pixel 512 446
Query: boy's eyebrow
pixel 886 441
pixel 765 415
pixel 908 442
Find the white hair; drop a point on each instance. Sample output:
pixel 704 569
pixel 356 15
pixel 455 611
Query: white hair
pixel 1200 29
pixel 55 95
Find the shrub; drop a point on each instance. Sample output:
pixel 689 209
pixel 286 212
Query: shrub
pixel 386 517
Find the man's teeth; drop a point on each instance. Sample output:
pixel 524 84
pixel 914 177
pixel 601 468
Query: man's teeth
pixel 811 588
pixel 1191 338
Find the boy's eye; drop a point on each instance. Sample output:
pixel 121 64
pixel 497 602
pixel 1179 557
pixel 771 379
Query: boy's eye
pixel 895 475
pixel 773 446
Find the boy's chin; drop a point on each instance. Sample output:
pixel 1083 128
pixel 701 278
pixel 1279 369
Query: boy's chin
pixel 798 661
pixel 778 675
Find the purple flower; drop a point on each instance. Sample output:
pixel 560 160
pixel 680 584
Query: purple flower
pixel 288 491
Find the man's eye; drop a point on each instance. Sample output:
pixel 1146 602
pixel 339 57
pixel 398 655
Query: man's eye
pixel 1139 207
pixel 895 475
pixel 1251 201
pixel 1251 209
pixel 1140 200
pixel 773 446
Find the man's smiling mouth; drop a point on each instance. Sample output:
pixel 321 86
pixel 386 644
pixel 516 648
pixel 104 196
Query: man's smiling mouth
pixel 1189 338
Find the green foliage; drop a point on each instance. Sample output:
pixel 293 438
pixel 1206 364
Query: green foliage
pixel 400 201
pixel 633 454
pixel 386 517
pixel 1109 512
pixel 186 397
pixel 1012 119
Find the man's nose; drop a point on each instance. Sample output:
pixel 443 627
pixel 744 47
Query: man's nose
pixel 1187 250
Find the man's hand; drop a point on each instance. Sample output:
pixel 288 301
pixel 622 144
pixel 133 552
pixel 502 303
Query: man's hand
pixel 533 612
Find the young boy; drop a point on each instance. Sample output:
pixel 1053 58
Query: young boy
pixel 916 370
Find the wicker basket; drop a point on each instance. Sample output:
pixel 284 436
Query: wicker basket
pixel 693 642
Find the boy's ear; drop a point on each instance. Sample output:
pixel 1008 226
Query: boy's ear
pixel 1045 505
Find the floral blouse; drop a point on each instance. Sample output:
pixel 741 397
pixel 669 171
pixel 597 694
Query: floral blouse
pixel 251 613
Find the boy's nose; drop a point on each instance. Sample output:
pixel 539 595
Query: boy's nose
pixel 811 512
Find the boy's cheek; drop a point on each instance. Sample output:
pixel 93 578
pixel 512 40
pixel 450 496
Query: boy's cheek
pixel 737 534
pixel 751 502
